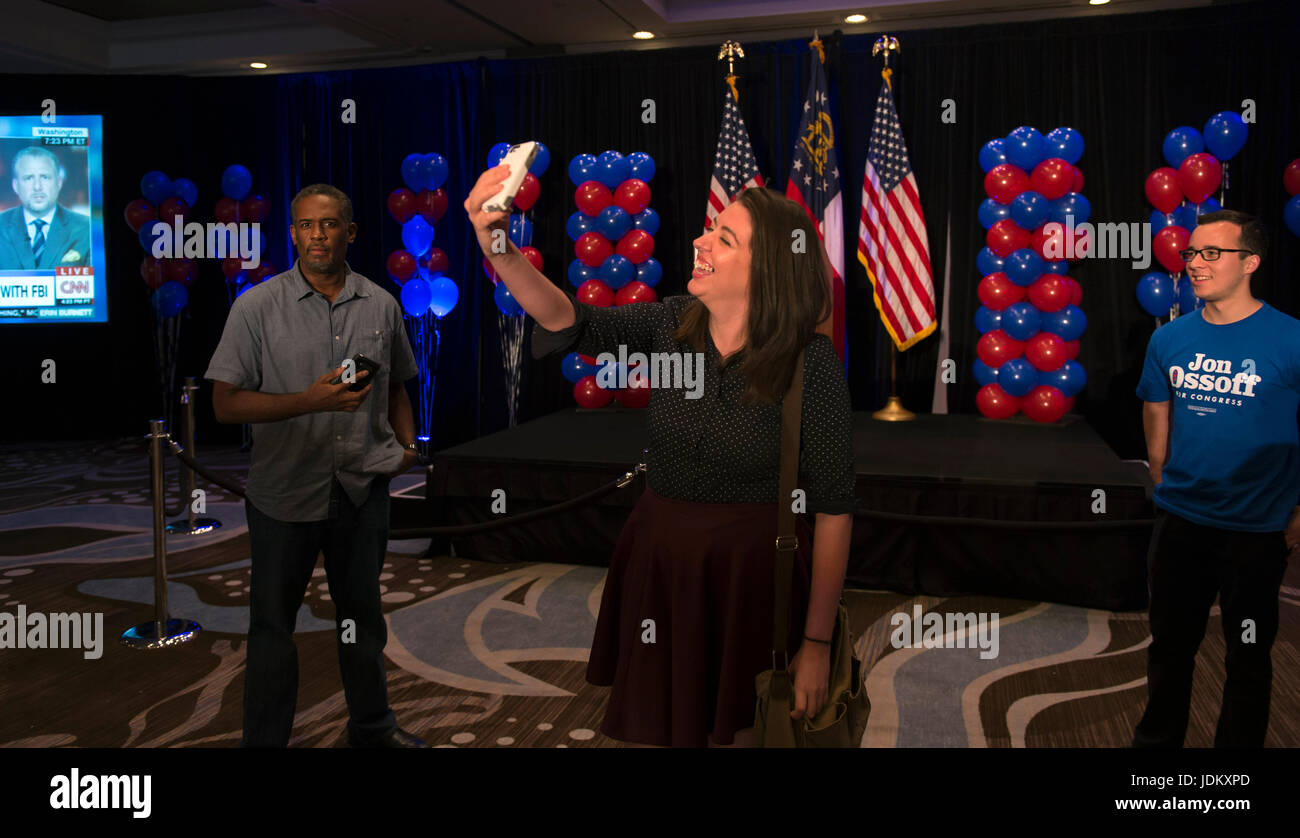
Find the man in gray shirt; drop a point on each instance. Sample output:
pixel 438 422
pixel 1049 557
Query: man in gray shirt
pixel 323 456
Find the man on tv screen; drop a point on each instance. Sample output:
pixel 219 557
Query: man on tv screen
pixel 41 233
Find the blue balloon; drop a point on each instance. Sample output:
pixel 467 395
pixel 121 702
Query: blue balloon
pixel 541 160
pixel 609 156
pixel 1207 206
pixel 1017 376
pixel 647 220
pixel 1161 220
pixel 1024 267
pixel 147 235
pixel 578 224
pixel 987 262
pixel 649 272
pixel 1291 214
pixel 436 169
pixel 413 172
pixel 617 271
pixel 1181 143
pixel 991 212
pixel 185 189
pixel 613 222
pixel 1225 134
pixel 580 273
pixel 496 154
pixel 1029 210
pixel 1022 321
pixel 443 295
pixel 614 171
pixel 582 168
pixel 156 187
pixel 1071 203
pixel 1068 323
pixel 575 369
pixel 1069 378
pixel 521 230
pixel 987 320
pixel 1060 266
pixel 643 166
pixel 1065 143
pixel 1187 299
pixel 170 298
pixel 1024 147
pixel 992 154
pixel 236 180
pixel 417 295
pixel 505 300
pixel 1155 293
pixel 984 374
pixel 417 235
pixel 1185 216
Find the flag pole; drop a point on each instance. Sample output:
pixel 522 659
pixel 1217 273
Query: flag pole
pixel 893 411
pixel 731 50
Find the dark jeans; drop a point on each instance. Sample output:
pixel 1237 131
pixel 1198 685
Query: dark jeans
pixel 353 540
pixel 1189 564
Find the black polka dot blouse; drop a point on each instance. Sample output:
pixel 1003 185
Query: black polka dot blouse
pixel 713 449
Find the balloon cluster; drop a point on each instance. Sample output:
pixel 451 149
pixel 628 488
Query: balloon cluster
pixel 1291 182
pixel 420 268
pixel 1030 321
pixel 1180 193
pixel 240 205
pixel 164 201
pixel 520 225
pixel 613 241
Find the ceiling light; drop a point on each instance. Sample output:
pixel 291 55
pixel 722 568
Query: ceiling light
pixel 856 19
pixel 1098 2
pixel 258 65
pixel 643 35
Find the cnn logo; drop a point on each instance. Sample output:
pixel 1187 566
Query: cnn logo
pixel 75 287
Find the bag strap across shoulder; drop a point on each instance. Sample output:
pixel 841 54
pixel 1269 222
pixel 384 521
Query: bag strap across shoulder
pixel 787 543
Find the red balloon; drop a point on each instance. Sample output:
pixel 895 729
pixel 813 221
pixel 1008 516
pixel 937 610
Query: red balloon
pixel 230 267
pixel 489 270
pixel 227 211
pixel 1077 184
pixel 1052 178
pixel 996 403
pixel 529 191
pixel 592 196
pixel 1044 404
pixel 1045 351
pixel 997 292
pixel 431 205
pixel 1162 189
pixel 169 209
pixel 533 255
pixel 138 212
pixel 632 195
pixel 1050 292
pixel 1166 245
pixel 179 270
pixel 1005 237
pixel 995 348
pixel 1290 177
pixel 255 208
pixel 1004 182
pixel 1069 404
pixel 1199 175
pixel 151 271
pixel 635 292
pixel 587 359
pixel 1071 352
pixel 592 249
pixel 1082 244
pixel 1039 241
pixel 1076 293
pixel 437 261
pixel 637 246
pixel 595 293
pixel 401 205
pixel 589 395
pixel 401 265
pixel 634 397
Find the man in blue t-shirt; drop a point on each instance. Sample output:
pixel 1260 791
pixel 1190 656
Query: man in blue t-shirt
pixel 1221 388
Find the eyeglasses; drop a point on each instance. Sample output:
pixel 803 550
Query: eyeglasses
pixel 1209 254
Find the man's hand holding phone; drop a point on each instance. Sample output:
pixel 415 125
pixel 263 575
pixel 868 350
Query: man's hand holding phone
pixel 330 393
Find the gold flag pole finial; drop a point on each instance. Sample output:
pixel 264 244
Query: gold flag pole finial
pixel 816 43
pixel 731 50
pixel 886 44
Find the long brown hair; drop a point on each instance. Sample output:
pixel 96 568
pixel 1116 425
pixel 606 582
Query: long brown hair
pixel 788 295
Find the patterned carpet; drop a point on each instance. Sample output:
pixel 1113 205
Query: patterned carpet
pixel 493 655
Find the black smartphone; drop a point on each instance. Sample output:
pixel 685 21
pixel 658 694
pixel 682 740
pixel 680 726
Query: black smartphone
pixel 361 362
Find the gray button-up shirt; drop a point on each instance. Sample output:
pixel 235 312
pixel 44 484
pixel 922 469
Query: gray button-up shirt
pixel 280 337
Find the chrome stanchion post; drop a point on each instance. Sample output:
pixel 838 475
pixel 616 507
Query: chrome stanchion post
pixel 192 525
pixel 161 631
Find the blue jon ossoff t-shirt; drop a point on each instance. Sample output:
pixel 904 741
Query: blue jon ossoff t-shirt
pixel 1234 459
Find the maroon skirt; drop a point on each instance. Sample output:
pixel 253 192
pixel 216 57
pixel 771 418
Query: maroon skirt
pixel 686 619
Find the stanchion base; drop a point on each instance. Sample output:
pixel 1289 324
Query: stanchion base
pixel 145 635
pixel 893 411
pixel 201 525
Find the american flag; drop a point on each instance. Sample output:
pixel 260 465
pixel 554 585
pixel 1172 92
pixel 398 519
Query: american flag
pixel 892 244
pixel 815 185
pixel 734 166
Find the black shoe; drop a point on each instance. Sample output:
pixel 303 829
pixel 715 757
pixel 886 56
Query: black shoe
pixel 395 738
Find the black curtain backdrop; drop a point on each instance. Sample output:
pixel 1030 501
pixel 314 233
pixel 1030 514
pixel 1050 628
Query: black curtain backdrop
pixel 1123 81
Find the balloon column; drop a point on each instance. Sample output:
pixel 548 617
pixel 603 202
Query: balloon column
pixel 613 241
pixel 1030 321
pixel 238 204
pixel 1181 193
pixel 427 295
pixel 1291 182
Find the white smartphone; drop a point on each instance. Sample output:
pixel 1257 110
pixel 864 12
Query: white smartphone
pixel 519 158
